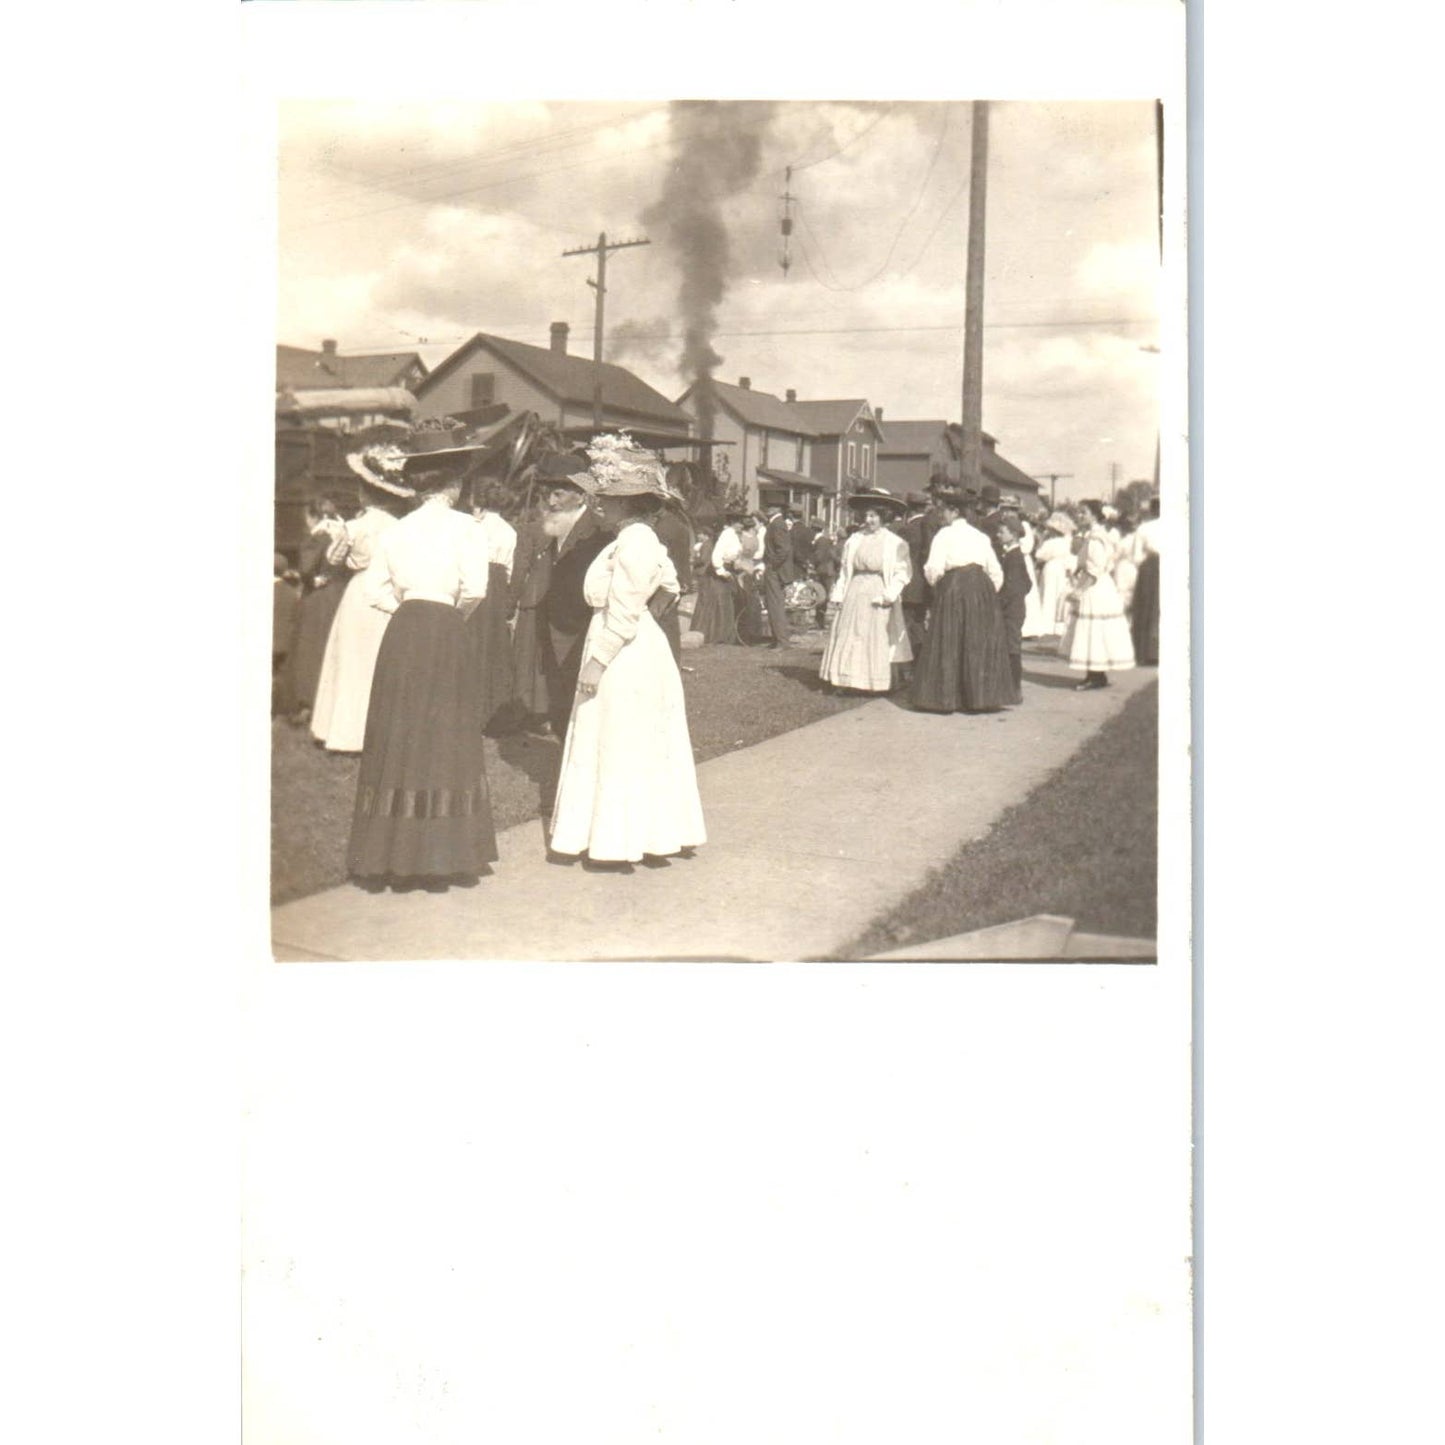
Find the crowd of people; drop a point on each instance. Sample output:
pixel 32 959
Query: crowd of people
pixel 438 613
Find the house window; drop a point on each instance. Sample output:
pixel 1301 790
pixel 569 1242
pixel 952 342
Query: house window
pixel 799 467
pixel 763 454
pixel 852 458
pixel 484 387
pixel 867 461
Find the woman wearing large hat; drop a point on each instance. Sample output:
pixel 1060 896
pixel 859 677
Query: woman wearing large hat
pixel 869 637
pixel 963 665
pixel 338 716
pixel 628 785
pixel 423 809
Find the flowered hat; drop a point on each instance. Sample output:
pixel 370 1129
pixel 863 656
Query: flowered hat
pixel 621 468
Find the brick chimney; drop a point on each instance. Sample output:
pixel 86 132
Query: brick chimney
pixel 792 395
pixel 746 382
pixel 559 337
pixel 328 348
pixel 878 413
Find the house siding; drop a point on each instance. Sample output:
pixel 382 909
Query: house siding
pixel 453 393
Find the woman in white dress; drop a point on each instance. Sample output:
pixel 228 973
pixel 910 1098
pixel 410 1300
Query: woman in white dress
pixel 1096 640
pixel 338 717
pixel 628 785
pixel 869 637
pixel 1033 608
pixel 1054 558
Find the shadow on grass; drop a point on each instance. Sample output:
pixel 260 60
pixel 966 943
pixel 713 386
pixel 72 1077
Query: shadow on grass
pixel 1065 680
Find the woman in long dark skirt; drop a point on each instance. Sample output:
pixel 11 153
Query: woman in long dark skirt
pixel 423 809
pixel 963 665
pixel 1144 617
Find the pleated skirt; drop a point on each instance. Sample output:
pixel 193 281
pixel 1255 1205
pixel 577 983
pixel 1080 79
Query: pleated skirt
pixel 492 643
pixel 963 665
pixel 1144 622
pixel 423 809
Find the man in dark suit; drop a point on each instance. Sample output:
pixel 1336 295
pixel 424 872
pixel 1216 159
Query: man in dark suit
pixel 826 561
pixel 778 571
pixel 918 533
pixel 675 533
pixel 576 536
pixel 802 534
pixel 1011 595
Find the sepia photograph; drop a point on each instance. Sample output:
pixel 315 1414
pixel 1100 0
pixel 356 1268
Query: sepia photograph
pixel 721 530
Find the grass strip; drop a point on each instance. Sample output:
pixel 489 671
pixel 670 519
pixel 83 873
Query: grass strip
pixel 1083 844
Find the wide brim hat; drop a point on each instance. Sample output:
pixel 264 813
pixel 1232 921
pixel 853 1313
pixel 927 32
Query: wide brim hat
pixel 878 497
pixel 380 467
pixel 915 499
pixel 1061 522
pixel 567 469
pixel 620 468
pixel 990 493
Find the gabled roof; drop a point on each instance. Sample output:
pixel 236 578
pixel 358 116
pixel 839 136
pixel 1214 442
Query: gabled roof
pixel 298 369
pixel 996 468
pixel 913 438
pixel 834 418
pixel 758 408
pixel 567 378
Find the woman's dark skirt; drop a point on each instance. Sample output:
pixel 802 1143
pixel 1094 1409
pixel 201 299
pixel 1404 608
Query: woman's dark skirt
pixel 1144 618
pixel 716 613
pixel 752 620
pixel 302 670
pixel 492 644
pixel 423 809
pixel 964 666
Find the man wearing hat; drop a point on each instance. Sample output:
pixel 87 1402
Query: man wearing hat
pixel 575 536
pixel 778 572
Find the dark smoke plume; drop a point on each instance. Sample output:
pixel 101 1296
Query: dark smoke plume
pixel 717 148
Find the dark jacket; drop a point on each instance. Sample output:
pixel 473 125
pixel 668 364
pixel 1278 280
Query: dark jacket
pixel 778 551
pixel 675 534
pixel 802 535
pixel 567 611
pixel 825 557
pixel 532 564
pixel 1011 595
pixel 915 531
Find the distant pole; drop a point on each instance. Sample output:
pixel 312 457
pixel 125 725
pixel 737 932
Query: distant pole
pixel 971 462
pixel 600 250
pixel 1052 478
pixel 1113 482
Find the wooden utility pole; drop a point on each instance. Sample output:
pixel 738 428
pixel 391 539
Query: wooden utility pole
pixel 971 462
pixel 1051 478
pixel 600 250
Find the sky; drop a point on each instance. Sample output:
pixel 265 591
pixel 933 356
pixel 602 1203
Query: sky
pixel 410 226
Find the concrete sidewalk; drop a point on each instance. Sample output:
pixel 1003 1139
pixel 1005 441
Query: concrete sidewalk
pixel 811 835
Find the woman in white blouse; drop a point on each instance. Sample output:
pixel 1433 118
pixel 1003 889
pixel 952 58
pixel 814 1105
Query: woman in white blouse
pixel 1054 558
pixel 869 638
pixel 628 786
pixel 423 809
pixel 716 614
pixel 963 665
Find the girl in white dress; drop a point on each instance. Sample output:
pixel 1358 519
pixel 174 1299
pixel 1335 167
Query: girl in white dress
pixel 1096 641
pixel 343 692
pixel 628 786
pixel 1054 558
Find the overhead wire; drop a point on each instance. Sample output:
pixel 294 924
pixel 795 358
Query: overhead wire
pixel 546 144
pixel 903 225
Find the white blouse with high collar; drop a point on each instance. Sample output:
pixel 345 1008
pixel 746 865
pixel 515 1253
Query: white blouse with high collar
pixel 961 545
pixel 432 555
